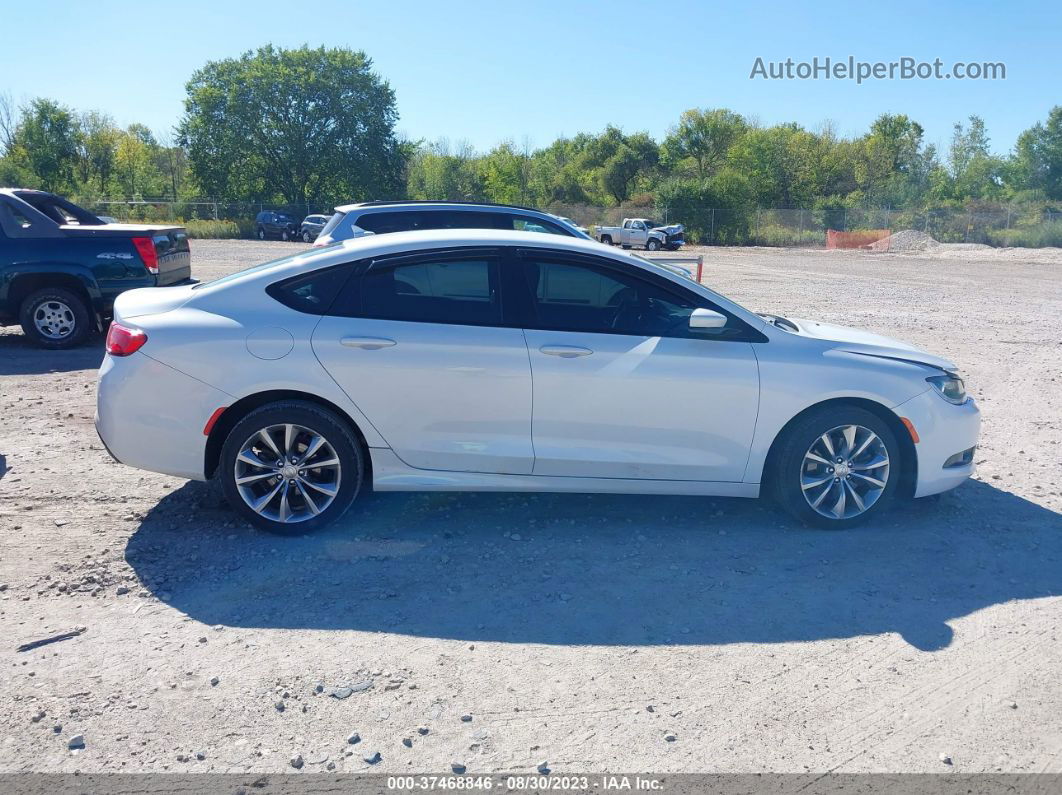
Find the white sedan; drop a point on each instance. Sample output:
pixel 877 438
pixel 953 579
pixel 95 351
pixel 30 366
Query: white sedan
pixel 465 360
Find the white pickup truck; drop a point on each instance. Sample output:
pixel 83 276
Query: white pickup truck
pixel 642 233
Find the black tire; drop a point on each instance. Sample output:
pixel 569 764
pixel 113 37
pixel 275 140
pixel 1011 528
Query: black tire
pixel 335 430
pixel 284 235
pixel 261 233
pixel 606 239
pixel 67 308
pixel 307 237
pixel 652 245
pixel 786 466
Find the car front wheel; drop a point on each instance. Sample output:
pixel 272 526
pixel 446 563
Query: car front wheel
pixel 261 233
pixel 837 467
pixel 653 245
pixel 307 237
pixel 55 318
pixel 291 467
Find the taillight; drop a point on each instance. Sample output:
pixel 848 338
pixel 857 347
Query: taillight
pixel 145 247
pixel 124 340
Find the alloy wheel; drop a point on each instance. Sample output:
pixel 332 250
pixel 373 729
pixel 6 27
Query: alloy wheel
pixel 54 320
pixel 844 472
pixel 287 473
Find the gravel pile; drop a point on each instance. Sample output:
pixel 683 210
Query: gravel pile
pixel 905 240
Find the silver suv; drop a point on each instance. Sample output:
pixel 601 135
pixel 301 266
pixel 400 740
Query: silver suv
pixel 381 217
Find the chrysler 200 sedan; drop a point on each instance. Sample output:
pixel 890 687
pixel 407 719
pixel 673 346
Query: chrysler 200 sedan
pixel 465 360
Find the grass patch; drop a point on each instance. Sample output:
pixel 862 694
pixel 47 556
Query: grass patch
pixel 214 230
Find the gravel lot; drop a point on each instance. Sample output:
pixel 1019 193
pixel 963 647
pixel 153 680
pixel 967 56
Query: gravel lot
pixel 591 633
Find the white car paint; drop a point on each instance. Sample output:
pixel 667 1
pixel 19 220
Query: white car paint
pixel 456 407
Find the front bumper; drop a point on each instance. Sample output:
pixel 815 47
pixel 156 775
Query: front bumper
pixel 151 416
pixel 944 430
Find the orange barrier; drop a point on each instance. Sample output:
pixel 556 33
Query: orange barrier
pixel 864 238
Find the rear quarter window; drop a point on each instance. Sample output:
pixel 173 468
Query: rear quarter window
pixel 312 293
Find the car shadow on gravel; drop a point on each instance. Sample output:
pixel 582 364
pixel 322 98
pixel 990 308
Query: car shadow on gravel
pixel 597 569
pixel 19 356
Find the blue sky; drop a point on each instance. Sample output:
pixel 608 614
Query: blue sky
pixel 489 71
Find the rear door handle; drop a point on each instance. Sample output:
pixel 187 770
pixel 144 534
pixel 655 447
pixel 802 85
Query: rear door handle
pixel 565 351
pixel 368 343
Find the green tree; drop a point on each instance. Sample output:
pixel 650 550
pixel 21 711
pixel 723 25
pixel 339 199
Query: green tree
pixel 785 165
pixel 46 143
pixel 1038 156
pixel 134 161
pixel 300 124
pixel 504 172
pixel 892 166
pixel 99 150
pixel 700 142
pixel 436 172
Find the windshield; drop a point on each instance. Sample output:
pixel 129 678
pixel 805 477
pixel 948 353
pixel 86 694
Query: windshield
pixel 652 224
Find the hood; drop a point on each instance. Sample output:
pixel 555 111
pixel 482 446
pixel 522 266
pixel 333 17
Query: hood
pixel 855 340
pixel 670 229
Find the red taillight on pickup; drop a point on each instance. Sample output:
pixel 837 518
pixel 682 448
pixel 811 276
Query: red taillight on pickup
pixel 124 340
pixel 145 247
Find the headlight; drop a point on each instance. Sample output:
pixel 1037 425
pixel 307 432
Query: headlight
pixel 950 387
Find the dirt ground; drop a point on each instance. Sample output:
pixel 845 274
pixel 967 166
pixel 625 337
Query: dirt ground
pixel 592 633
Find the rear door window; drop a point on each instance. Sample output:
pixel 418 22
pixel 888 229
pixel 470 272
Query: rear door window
pixel 454 289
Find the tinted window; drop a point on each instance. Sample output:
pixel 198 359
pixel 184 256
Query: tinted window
pixel 13 219
pixel 405 221
pixel 576 296
pixel 526 223
pixel 460 291
pixel 312 293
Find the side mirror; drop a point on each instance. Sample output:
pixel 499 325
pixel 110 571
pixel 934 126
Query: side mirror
pixel 707 318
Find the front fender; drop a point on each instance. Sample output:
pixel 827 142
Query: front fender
pixel 796 374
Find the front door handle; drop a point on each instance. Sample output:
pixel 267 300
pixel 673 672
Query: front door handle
pixel 368 343
pixel 565 351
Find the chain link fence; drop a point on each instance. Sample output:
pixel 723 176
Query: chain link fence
pixel 1030 225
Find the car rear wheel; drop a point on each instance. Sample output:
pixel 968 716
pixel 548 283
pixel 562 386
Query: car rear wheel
pixel 261 233
pixel 55 318
pixel 606 240
pixel 291 467
pixel 284 235
pixel 307 237
pixel 837 467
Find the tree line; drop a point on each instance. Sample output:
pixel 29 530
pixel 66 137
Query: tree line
pixel 317 126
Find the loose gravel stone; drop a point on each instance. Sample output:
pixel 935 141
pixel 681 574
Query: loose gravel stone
pixel 354 738
pixel 76 742
pixel 373 758
pixel 466 718
pixel 457 767
pixel 297 761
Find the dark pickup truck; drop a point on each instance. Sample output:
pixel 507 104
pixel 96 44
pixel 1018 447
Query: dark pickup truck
pixel 61 267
